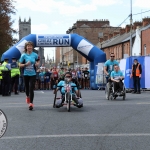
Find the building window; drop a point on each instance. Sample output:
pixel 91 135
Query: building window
pixel 127 49
pixel 144 49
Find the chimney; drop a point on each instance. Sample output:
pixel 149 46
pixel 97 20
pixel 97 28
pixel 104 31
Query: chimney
pixel 115 33
pixel 105 38
pixel 101 40
pixel 122 31
pixel 127 28
pixel 136 24
pixel 110 36
pixel 146 21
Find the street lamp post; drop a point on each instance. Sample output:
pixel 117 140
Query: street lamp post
pixel 131 30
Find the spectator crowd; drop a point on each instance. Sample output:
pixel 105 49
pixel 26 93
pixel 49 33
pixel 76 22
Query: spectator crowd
pixel 47 78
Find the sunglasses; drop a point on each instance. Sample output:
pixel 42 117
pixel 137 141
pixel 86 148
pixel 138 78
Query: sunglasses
pixel 68 76
pixel 112 56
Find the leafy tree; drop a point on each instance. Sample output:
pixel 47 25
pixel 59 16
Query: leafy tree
pixel 6 31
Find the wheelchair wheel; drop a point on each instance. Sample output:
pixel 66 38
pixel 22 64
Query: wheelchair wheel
pixel 111 97
pixel 107 91
pixel 68 101
pixel 124 96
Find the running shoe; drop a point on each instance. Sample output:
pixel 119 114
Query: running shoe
pixel 30 106
pixel 27 100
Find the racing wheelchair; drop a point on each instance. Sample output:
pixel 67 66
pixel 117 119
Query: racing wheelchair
pixel 111 94
pixel 67 97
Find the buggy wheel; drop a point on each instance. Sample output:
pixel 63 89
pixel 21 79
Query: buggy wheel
pixel 68 101
pixel 54 106
pixel 54 103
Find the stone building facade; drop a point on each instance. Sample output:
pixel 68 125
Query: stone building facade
pixel 24 28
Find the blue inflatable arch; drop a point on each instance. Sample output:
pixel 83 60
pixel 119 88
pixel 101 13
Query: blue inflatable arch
pixel 80 44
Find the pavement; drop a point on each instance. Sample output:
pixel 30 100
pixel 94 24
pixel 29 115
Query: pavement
pixel 100 125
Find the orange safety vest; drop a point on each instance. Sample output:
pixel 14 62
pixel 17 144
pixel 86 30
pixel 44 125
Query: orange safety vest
pixel 137 73
pixel 138 70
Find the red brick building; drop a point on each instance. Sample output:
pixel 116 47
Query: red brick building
pixel 93 31
pixel 145 44
pixel 120 44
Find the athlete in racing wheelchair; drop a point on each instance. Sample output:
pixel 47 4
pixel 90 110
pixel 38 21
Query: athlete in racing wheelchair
pixel 74 92
pixel 115 86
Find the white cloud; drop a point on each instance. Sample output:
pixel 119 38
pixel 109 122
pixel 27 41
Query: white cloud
pixel 72 7
pixel 38 28
pixel 35 5
pixel 72 10
pixel 76 2
pixel 142 3
pixel 56 23
pixel 106 2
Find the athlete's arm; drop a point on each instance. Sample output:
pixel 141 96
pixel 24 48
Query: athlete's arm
pixel 106 68
pixel 21 60
pixel 112 77
pixel 37 63
pixel 121 76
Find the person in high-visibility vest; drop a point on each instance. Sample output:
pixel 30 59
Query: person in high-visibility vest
pixel 136 74
pixel 6 75
pixel 15 72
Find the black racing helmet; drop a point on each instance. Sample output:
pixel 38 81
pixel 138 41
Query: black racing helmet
pixel 68 73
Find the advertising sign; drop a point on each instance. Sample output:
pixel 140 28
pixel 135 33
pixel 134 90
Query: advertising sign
pixel 84 47
pixel 147 72
pixel 49 40
pixel 3 123
pixel 100 77
pixel 129 62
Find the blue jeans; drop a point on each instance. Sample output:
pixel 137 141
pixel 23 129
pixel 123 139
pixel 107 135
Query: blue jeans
pixel 136 84
pixel 21 84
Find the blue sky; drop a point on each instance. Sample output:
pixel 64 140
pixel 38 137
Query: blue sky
pixel 56 16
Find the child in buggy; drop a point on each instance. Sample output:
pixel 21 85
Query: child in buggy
pixel 73 91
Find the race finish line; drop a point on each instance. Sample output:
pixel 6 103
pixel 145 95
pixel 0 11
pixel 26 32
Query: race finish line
pixel 77 135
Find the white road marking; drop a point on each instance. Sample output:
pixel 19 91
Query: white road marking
pixel 144 103
pixel 77 135
pixel 87 103
pixel 39 91
pixel 92 101
pixel 34 105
